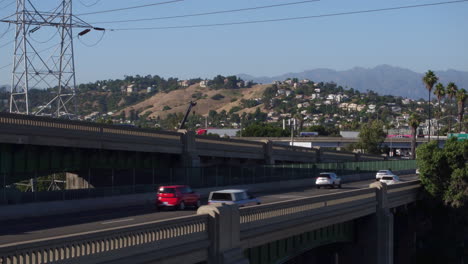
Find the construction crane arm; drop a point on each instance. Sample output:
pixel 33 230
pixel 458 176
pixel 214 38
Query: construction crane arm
pixel 191 104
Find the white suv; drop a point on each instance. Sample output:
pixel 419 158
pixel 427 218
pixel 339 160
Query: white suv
pixel 328 179
pixel 390 179
pixel 382 173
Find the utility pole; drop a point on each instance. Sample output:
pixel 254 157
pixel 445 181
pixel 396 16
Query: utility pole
pixel 54 71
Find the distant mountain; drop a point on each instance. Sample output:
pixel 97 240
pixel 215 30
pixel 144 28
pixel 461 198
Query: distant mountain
pixel 384 79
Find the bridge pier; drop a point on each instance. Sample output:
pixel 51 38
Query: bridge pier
pixel 224 234
pixel 190 157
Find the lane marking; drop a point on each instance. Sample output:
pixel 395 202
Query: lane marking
pixel 117 221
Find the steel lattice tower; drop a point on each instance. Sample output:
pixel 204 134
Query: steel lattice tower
pixel 54 71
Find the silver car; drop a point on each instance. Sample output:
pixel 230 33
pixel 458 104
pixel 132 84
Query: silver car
pixel 233 196
pixel 382 173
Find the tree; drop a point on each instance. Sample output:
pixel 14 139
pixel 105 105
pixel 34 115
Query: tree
pixel 444 178
pixel 440 93
pixel 429 80
pixel 451 93
pixel 264 130
pixel 371 137
pixel 414 122
pixel 461 99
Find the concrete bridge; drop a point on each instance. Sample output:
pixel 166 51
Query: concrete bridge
pixel 40 145
pixel 362 219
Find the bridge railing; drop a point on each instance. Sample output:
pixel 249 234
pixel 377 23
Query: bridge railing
pixel 185 233
pixel 263 219
pixel 399 194
pixel 71 125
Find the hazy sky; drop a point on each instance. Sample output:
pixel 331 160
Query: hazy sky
pixel 419 39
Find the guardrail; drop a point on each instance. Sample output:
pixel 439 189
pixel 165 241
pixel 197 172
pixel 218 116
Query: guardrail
pixel 217 232
pixel 70 125
pixel 190 231
pixel 262 221
pixel 402 193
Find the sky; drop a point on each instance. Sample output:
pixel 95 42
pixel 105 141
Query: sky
pixel 418 39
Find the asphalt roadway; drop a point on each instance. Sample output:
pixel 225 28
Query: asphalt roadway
pixel 17 231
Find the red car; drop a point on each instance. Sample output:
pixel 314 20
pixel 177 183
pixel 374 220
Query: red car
pixel 177 196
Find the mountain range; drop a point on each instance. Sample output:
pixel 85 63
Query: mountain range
pixel 383 79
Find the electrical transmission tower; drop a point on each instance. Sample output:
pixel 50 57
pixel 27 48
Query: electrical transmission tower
pixel 52 68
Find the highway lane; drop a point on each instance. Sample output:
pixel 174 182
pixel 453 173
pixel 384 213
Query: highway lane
pixel 51 226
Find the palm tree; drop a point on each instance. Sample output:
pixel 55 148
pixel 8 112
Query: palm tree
pixel 461 99
pixel 440 93
pixel 451 93
pixel 429 80
pixel 414 122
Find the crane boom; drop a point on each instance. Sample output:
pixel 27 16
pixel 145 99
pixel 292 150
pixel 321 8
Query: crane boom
pixel 191 104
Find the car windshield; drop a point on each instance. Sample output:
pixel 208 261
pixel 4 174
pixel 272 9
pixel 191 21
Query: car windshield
pixel 166 190
pixel 221 196
pixel 383 171
pixel 387 178
pixel 325 176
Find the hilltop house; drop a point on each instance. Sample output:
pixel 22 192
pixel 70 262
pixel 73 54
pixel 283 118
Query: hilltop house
pixel 204 83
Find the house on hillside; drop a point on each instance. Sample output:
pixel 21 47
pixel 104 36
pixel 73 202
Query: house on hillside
pixel 406 101
pixel 130 88
pixel 204 83
pixel 184 83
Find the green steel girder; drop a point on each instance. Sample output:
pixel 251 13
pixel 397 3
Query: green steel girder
pixel 20 162
pixel 281 250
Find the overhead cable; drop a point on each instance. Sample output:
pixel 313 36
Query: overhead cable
pixel 206 13
pixel 128 8
pixel 90 5
pixel 290 18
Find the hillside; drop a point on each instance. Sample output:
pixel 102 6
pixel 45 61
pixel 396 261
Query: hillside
pixel 162 104
pixel 383 79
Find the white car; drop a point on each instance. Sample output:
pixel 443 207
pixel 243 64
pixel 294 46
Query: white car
pixel 390 179
pixel 382 173
pixel 328 179
pixel 417 171
pixel 234 196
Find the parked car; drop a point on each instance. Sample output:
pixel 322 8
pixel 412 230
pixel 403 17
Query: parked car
pixel 177 196
pixel 417 171
pixel 328 179
pixel 382 173
pixel 390 179
pixel 233 196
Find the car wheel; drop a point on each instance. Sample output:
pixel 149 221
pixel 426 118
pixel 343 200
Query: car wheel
pixel 318 186
pixel 339 186
pixel 182 206
pixel 198 204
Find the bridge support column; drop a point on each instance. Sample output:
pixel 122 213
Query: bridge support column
pixel 384 225
pixel 75 182
pixel 190 157
pixel 268 150
pixel 225 234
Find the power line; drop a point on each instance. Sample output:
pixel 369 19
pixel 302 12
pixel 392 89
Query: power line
pixel 130 7
pixel 7 5
pixel 206 13
pixel 6 44
pixel 90 5
pixel 290 18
